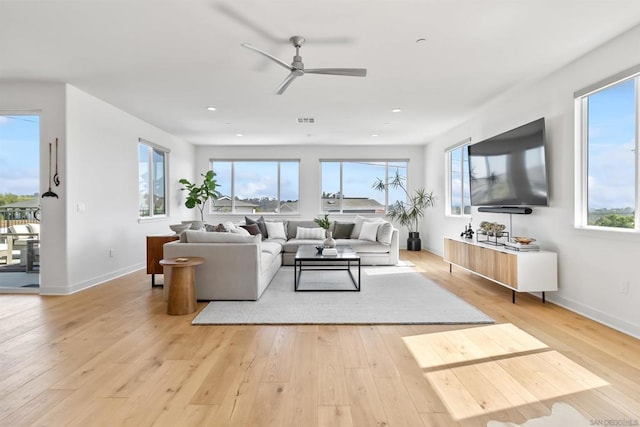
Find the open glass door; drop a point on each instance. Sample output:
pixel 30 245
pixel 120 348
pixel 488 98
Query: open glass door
pixel 19 203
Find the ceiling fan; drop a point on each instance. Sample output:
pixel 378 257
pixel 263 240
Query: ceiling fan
pixel 296 69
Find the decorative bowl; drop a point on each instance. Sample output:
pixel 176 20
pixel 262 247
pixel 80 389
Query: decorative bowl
pixel 179 228
pixel 524 240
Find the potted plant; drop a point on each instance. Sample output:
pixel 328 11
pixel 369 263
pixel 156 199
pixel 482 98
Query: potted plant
pixel 408 213
pixel 325 223
pixel 198 195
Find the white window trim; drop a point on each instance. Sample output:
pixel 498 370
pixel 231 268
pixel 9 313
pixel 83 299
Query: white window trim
pixel 581 203
pixel 342 161
pixel 233 184
pixel 448 183
pixel 166 152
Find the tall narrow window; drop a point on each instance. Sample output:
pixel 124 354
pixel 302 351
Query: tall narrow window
pixel 257 186
pixel 459 203
pixel 609 145
pixel 152 166
pixel 347 186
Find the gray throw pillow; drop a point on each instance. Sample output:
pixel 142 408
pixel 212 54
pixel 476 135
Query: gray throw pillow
pixel 342 230
pixel 260 223
pixel 253 229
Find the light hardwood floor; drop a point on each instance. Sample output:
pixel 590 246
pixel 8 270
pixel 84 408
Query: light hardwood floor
pixel 112 356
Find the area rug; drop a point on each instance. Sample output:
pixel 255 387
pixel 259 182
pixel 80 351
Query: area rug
pixel 389 295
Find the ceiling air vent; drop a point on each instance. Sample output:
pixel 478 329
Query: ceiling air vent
pixel 302 120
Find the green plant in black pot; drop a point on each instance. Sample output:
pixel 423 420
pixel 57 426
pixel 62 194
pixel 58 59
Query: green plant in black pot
pixel 407 213
pixel 198 195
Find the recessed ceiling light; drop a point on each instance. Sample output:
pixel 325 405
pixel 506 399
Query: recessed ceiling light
pixel 396 110
pixel 211 108
pixel 374 135
pixel 239 134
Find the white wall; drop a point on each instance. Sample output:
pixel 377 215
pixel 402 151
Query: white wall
pixel 98 167
pixel 102 174
pixel 47 100
pixel 592 264
pixel 310 186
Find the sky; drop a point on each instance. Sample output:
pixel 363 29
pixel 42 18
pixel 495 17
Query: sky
pixel 19 154
pixel 612 155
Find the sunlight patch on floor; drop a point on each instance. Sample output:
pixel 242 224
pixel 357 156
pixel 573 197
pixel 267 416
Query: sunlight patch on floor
pixel 481 370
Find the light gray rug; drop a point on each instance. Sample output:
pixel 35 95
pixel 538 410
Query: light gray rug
pixel 389 295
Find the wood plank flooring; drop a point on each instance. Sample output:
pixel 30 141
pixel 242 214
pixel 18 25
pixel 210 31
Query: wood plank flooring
pixel 111 356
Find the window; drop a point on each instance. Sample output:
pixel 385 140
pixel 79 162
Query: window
pixel 608 141
pixel 347 186
pixel 152 172
pixel 257 186
pixel 459 203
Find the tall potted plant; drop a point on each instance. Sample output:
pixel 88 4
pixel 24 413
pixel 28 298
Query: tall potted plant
pixel 407 213
pixel 198 195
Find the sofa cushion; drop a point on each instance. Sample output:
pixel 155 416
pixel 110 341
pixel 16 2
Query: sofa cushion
pixel 311 233
pixel 34 228
pixel 275 230
pixel 365 246
pixel 369 231
pixel 261 224
pixel 271 246
pixel 358 224
pixel 342 230
pixel 196 236
pixel 19 229
pixel 252 229
pixel 385 232
pixel 291 246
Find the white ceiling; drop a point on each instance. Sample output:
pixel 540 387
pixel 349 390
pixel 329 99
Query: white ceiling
pixel 165 61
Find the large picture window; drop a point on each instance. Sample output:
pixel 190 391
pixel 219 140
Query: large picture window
pixel 152 168
pixel 347 186
pixel 257 186
pixel 459 197
pixel 608 141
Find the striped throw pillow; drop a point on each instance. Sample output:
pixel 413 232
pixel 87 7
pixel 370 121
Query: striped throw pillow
pixel 310 233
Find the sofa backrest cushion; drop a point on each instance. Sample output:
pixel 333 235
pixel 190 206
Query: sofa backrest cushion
pixel 196 236
pixel 19 229
pixel 34 228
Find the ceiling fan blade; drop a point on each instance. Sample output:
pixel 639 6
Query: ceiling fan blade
pixel 285 84
pixel 268 55
pixel 353 72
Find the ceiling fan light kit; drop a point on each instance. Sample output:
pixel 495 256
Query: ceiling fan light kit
pixel 296 69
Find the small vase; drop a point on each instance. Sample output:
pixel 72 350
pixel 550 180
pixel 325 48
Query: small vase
pixel 329 242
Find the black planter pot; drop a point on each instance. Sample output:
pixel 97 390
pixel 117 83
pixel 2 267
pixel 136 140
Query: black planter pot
pixel 413 242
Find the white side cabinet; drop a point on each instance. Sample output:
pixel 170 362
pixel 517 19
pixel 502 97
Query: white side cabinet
pixel 535 271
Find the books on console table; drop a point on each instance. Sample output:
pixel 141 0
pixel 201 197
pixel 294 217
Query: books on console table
pixel 329 252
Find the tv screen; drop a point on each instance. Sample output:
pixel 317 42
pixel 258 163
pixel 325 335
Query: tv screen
pixel 510 169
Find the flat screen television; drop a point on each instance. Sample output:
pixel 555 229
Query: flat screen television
pixel 510 169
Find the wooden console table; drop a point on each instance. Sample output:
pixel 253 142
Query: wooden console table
pixel 182 287
pixel 155 253
pixel 535 271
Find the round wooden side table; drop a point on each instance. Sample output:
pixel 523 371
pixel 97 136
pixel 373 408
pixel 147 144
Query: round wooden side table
pixel 182 287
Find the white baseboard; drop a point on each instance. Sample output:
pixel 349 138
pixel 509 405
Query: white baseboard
pixel 86 284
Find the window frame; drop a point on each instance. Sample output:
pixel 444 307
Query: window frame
pixel 386 178
pixel 462 145
pixel 581 125
pixel 153 148
pixel 233 161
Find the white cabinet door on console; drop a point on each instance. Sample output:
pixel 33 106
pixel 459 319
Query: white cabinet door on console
pixel 535 271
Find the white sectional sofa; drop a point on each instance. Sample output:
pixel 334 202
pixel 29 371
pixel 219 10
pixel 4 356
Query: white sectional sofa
pixel 240 266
